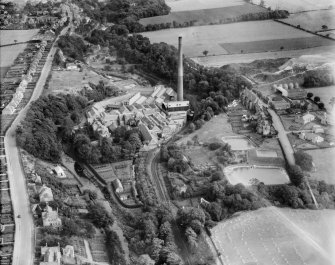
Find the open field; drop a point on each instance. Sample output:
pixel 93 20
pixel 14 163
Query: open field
pixel 313 20
pixel 198 39
pixel 324 164
pixel 277 236
pixel 276 45
pixel 71 81
pixel 224 59
pixel 8 36
pixel 205 16
pixel 212 130
pixel 184 5
pixel 325 94
pixel 297 5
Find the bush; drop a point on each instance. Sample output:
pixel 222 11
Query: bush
pixel 214 146
pixel 304 160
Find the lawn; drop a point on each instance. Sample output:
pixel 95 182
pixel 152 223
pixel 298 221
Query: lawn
pixel 324 164
pixel 313 20
pixel 184 5
pixel 204 16
pixel 210 38
pixel 276 236
pixel 296 5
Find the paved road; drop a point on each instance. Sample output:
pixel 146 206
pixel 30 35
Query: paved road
pixel 282 135
pixel 24 232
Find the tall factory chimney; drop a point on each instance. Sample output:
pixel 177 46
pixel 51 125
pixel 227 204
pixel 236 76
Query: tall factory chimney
pixel 180 89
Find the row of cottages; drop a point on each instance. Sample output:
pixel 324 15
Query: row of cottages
pixel 19 93
pixel 313 137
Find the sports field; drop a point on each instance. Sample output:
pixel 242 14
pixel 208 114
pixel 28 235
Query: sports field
pixel 184 5
pixel 297 5
pixel 205 16
pixel 313 20
pixel 198 39
pixel 278 236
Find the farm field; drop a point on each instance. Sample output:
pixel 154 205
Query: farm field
pixel 325 94
pixel 198 39
pixel 313 20
pixel 324 163
pixel 276 45
pixel 224 59
pixel 204 16
pixel 297 5
pixel 184 5
pixel 8 36
pixel 277 236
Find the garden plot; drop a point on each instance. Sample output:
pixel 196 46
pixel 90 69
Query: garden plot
pixel 210 38
pixel 184 5
pixel 313 20
pixel 296 5
pixel 277 236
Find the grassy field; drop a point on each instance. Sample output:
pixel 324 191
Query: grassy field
pixel 297 5
pixel 204 16
pixel 212 130
pixel 276 45
pixel 313 20
pixel 324 163
pixel 325 94
pixel 277 236
pixel 8 36
pixel 184 5
pixel 198 39
pixel 71 81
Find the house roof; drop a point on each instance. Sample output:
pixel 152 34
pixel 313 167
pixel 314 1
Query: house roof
pixel 59 170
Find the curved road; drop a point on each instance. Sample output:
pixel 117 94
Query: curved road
pixel 24 226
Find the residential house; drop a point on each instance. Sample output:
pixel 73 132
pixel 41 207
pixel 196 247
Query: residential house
pixel 71 67
pixel 51 218
pixel 318 129
pixel 59 172
pixel 68 255
pixel 117 186
pixel 314 138
pixel 306 118
pixel 45 194
pixel 51 255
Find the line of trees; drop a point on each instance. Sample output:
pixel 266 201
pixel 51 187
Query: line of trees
pixel 277 14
